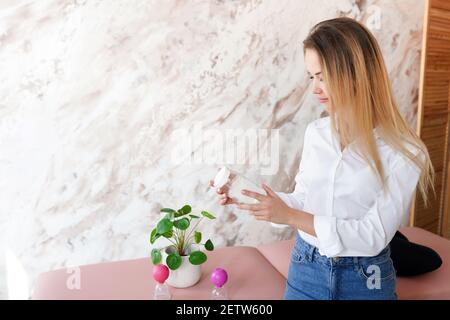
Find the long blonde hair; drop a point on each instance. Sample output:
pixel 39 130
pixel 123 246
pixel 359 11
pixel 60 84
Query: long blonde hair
pixel 361 96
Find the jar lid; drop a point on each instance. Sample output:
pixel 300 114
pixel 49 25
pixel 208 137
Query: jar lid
pixel 221 177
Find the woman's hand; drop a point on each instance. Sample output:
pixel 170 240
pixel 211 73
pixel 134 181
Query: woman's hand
pixel 224 199
pixel 270 207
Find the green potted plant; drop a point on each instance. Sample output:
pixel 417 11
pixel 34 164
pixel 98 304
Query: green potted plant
pixel 183 256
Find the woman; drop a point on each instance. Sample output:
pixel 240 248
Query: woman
pixel 358 173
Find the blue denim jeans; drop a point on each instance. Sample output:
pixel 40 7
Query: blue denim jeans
pixel 316 277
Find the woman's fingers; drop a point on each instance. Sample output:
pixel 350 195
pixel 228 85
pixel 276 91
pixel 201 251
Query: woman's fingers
pixel 250 207
pixel 254 195
pixel 218 190
pixel 222 190
pixel 262 218
pixel 229 200
pixel 226 200
pixel 269 190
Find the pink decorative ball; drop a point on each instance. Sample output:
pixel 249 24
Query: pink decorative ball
pixel 219 277
pixel 160 273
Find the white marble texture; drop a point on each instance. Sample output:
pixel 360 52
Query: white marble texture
pixel 92 91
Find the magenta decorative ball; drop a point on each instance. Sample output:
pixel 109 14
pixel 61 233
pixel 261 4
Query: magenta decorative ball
pixel 160 273
pixel 219 277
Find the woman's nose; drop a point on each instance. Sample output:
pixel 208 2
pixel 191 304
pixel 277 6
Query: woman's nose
pixel 316 87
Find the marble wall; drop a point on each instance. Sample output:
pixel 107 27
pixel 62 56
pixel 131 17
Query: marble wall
pixel 111 109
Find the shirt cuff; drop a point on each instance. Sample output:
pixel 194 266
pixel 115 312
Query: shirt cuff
pixel 329 242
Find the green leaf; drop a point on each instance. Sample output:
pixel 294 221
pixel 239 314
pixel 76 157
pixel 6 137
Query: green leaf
pixel 208 215
pixel 170 213
pixel 168 234
pixel 181 224
pixel 169 216
pixel 193 216
pixel 197 257
pixel 156 256
pixel 168 210
pixel 154 236
pixel 185 210
pixel 209 245
pixel 173 261
pixel 164 226
pixel 197 236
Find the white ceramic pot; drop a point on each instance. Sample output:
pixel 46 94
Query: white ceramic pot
pixel 186 275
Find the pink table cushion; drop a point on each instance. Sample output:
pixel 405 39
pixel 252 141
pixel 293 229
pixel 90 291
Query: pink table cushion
pixel 279 255
pixel 432 285
pixel 251 276
pixel 254 273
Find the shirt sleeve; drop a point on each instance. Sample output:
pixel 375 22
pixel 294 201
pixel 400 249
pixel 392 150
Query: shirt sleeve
pixel 369 235
pixel 296 199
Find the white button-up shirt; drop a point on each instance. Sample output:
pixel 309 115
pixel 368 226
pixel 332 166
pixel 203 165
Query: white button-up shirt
pixel 352 214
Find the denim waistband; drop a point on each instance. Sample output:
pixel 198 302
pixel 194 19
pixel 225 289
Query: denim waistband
pixel 311 253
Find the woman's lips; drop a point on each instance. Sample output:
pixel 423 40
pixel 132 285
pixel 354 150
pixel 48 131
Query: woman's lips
pixel 323 100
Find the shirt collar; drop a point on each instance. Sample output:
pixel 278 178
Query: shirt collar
pixel 376 133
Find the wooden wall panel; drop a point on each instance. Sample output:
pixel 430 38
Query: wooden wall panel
pixel 446 218
pixel 433 113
